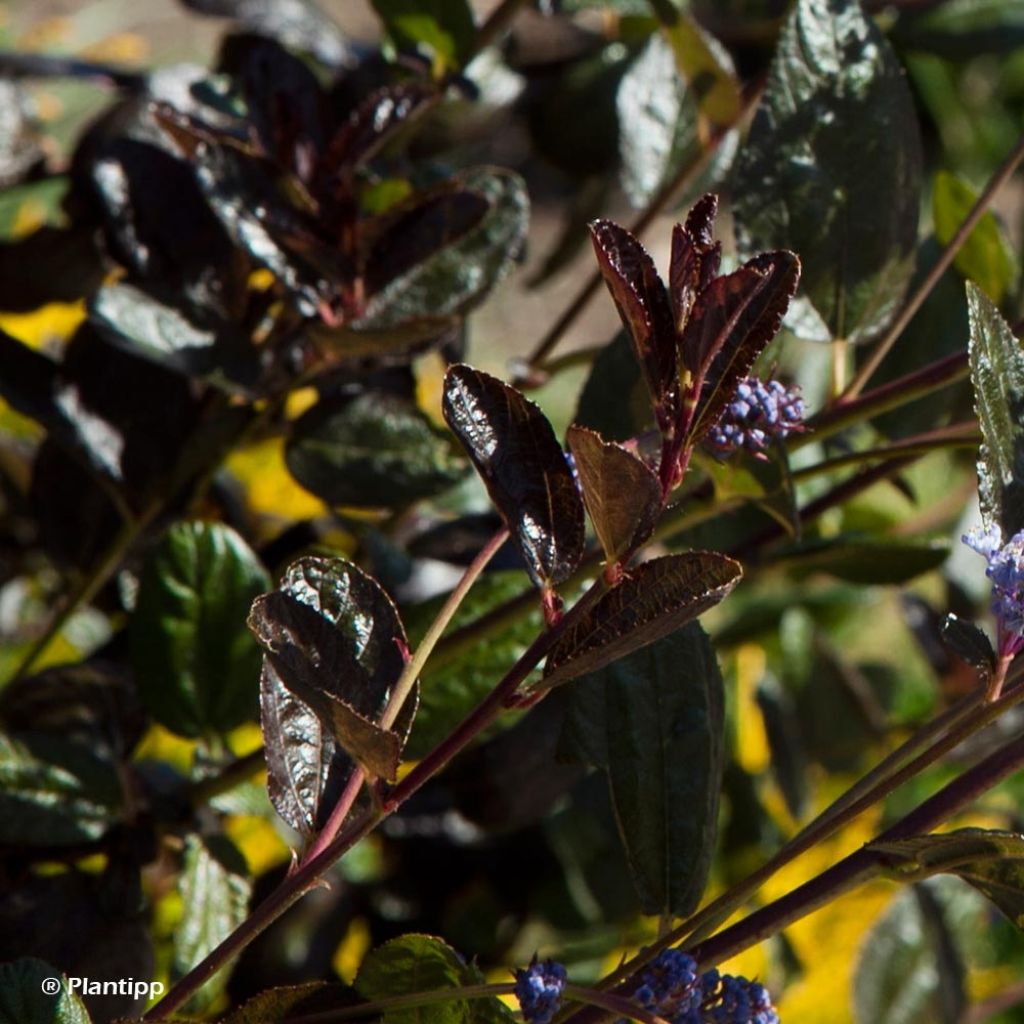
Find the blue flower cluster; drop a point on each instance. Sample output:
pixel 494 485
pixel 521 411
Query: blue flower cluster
pixel 759 412
pixel 672 988
pixel 1006 571
pixel 539 990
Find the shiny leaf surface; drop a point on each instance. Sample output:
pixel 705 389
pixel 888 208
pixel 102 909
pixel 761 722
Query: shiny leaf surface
pixel 524 468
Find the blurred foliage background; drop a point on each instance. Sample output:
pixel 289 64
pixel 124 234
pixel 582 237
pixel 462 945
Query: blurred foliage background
pixel 828 658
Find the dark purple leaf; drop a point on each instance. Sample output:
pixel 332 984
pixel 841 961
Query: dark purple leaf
pixel 622 495
pixel 527 475
pixel 655 599
pixel 732 322
pixel 373 123
pixel 695 258
pixel 643 305
pixel 334 639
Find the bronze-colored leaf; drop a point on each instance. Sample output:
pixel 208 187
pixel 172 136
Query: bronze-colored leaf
pixel 695 258
pixel 527 475
pixel 643 304
pixel 622 495
pixel 655 599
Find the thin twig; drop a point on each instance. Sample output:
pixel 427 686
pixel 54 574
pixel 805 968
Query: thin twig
pixel 882 349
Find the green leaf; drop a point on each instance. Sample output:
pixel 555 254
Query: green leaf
pixel 831 167
pixel 376 450
pixel 46 803
pixel 333 637
pixel 614 400
pixel 989 860
pixel 195 663
pixel 997 373
pixel 782 730
pixel 867 561
pixel 909 970
pixel 443 28
pixel 622 495
pixel 963 28
pixel 422 963
pixel 654 722
pixel 215 888
pixel 452 685
pixel 986 257
pixel 706 67
pixel 516 453
pixel 652 601
pixel 149 323
pixel 24 1001
pixel 458 276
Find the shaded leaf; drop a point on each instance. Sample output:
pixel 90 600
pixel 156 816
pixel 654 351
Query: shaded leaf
pixel 654 722
pixel 732 321
pixel 653 600
pixel 28 383
pixel 909 970
pixel 23 999
pixel 613 400
pixel 997 373
pixel 422 963
pixel 44 803
pixel 859 560
pixel 643 305
pixel 152 325
pixel 706 67
pixel 444 29
pixel 985 257
pixel 215 888
pixel 195 662
pixel 459 275
pixel 52 264
pixel 831 167
pixel 374 450
pixel 788 756
pixel 334 638
pixel 970 643
pixel 991 861
pixel 622 495
pixel 963 28
pixel 528 478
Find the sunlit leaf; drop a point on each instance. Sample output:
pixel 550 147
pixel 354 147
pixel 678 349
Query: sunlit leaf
pixel 528 478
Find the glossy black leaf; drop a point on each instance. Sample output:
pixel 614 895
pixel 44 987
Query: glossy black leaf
pixel 28 382
pixel 373 123
pixel 149 322
pixel 997 373
pixel 457 276
pixel 622 494
pixel 526 472
pixel 643 304
pixel 376 450
pixel 52 264
pixel 653 600
pixel 731 323
pixel 195 663
pixel 654 721
pixel 831 167
pixel 334 639
pixel 970 643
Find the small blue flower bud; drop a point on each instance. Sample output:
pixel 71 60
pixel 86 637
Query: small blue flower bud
pixel 539 990
pixel 759 412
pixel 1006 571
